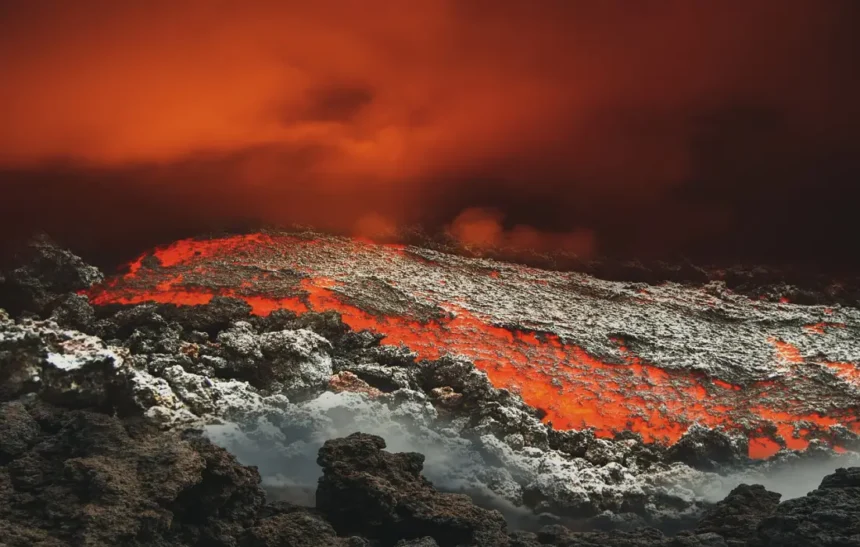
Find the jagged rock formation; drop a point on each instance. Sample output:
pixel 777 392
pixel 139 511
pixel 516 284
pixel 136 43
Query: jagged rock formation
pixel 737 517
pixel 383 496
pixel 76 477
pixel 43 275
pixel 828 516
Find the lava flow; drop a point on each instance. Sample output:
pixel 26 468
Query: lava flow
pixel 588 353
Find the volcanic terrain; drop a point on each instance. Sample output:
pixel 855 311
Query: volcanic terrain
pixel 571 409
pixel 586 353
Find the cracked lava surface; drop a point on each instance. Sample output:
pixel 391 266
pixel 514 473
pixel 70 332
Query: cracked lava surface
pixel 589 353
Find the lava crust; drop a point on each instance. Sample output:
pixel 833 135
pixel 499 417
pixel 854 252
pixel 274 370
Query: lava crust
pixel 588 353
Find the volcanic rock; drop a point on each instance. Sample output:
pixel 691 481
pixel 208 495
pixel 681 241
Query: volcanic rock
pixel 645 537
pixel 294 526
pixel 491 445
pixel 299 360
pixel 708 449
pixel 826 517
pixel 272 389
pixel 60 364
pixel 18 431
pixel 41 273
pixel 86 478
pixel 74 311
pixel 421 542
pixel 383 496
pixel 218 314
pixel 581 352
pixel 737 517
pixel 347 381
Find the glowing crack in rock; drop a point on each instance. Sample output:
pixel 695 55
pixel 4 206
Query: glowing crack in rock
pixel 588 353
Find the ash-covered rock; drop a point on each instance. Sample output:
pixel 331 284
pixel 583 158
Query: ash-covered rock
pixel 62 365
pixel 298 360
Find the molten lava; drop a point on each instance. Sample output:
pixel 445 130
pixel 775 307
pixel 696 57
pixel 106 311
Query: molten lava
pixel 574 387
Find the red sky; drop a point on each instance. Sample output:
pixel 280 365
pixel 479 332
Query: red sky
pixel 654 126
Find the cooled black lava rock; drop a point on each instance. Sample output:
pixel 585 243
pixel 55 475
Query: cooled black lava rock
pixel 127 320
pixel 85 478
pixel 707 449
pixel 644 537
pixel 737 517
pixel 40 274
pixel 18 431
pixel 74 311
pixel 211 318
pixel 826 517
pixel 421 542
pixel 383 496
pixel 327 324
pixel 284 524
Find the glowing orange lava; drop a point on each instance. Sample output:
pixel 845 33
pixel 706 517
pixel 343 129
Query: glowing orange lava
pixel 575 389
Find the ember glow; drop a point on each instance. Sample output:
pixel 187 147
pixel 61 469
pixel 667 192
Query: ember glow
pixel 574 387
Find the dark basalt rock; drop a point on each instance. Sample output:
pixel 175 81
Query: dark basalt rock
pixel 40 274
pixel 77 477
pixel 285 524
pixel 644 537
pixel 826 517
pixel 84 478
pixel 18 431
pixel 707 449
pixel 422 542
pixel 327 324
pixel 74 311
pixel 383 496
pixel 737 517
pixel 126 320
pixel 211 318
pixel 277 320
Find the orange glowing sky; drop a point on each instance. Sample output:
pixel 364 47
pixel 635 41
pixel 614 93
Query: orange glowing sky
pixel 560 115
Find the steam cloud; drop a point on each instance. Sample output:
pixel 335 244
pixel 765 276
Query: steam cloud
pixel 723 129
pixel 286 458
